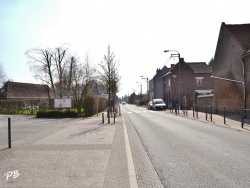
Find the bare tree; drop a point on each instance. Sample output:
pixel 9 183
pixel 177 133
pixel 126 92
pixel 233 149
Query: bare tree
pixel 41 63
pixel 83 79
pixel 59 55
pixel 2 74
pixel 68 76
pixel 63 72
pixel 109 75
pixel 52 67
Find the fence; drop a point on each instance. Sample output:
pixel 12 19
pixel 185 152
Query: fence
pixel 240 115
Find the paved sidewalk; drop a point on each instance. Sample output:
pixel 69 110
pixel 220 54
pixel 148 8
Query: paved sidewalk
pixel 81 153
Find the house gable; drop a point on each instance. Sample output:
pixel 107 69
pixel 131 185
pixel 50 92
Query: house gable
pixel 228 67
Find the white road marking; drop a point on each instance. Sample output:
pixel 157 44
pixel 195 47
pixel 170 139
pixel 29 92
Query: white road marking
pixel 131 167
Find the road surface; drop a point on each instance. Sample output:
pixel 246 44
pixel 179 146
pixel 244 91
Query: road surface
pixel 188 153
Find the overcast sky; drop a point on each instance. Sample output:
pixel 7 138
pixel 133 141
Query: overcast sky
pixel 138 32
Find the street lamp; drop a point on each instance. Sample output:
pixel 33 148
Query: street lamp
pixel 146 79
pixel 177 54
pixel 140 84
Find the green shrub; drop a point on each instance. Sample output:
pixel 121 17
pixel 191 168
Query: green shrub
pixel 57 114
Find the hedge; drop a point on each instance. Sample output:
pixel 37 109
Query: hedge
pixel 57 114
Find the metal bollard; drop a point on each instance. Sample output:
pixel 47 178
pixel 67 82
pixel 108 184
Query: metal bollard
pixel 114 117
pixel 102 118
pixel 9 132
pixel 211 113
pixel 224 114
pixel 242 118
pixel 108 112
pixel 206 112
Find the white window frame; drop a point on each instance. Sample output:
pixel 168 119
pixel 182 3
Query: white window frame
pixel 199 81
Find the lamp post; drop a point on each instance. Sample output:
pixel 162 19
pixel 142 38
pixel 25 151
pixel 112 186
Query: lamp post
pixel 177 54
pixel 146 79
pixel 140 84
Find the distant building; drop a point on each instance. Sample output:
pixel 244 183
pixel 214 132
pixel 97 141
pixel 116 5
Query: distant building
pixel 156 88
pixel 26 95
pixel 184 80
pixel 24 91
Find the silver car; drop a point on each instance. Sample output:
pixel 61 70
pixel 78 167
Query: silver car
pixel 150 105
pixel 158 104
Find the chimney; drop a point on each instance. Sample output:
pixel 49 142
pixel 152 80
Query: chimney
pixel 157 71
pixel 181 60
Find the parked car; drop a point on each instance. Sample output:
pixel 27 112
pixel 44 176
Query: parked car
pixel 158 104
pixel 150 105
pixel 123 102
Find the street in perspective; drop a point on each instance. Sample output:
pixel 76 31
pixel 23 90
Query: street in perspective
pixel 133 94
pixel 165 150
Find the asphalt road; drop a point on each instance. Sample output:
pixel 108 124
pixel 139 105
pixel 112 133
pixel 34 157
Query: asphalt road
pixel 190 153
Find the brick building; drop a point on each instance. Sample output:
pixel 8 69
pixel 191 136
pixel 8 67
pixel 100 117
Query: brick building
pixel 183 80
pixel 27 93
pixel 231 71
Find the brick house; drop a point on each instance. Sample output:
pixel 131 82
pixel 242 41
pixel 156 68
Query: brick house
pixel 184 80
pixel 156 87
pixel 38 94
pixel 231 70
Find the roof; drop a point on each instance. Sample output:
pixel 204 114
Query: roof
pixel 241 33
pixel 200 67
pixel 197 67
pixel 17 90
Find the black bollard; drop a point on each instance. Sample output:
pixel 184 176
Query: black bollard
pixel 9 132
pixel 108 112
pixel 242 118
pixel 211 113
pixel 224 114
pixel 206 112
pixel 102 118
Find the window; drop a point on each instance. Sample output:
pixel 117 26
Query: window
pixel 169 82
pixel 199 81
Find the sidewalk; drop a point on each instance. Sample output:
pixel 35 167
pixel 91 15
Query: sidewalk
pixel 231 122
pixel 82 153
